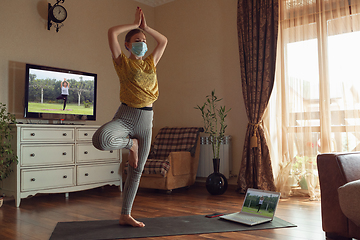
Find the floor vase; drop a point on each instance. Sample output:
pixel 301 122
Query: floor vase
pixel 216 183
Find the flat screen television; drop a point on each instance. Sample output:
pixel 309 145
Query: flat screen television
pixel 59 94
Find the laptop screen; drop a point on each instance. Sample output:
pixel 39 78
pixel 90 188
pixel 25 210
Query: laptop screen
pixel 260 202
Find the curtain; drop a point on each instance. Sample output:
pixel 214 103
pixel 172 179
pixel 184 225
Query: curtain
pixel 257 31
pixel 315 104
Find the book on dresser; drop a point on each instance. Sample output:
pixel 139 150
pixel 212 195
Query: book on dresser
pixel 59 159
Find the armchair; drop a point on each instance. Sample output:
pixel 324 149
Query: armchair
pixel 173 159
pixel 339 175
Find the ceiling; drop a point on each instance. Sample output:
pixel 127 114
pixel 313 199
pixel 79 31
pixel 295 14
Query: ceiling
pixel 154 3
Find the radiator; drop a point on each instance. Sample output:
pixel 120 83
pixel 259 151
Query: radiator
pixel 206 155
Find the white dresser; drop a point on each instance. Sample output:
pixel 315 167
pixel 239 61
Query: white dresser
pixel 59 159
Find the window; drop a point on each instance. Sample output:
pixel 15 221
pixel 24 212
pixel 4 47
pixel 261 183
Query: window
pixel 315 106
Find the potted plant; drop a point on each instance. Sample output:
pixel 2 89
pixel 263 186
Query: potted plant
pixel 214 125
pixel 7 155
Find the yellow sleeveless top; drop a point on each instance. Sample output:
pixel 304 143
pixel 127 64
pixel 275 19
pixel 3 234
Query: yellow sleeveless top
pixel 138 81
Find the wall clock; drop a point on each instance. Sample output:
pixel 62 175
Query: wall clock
pixel 56 15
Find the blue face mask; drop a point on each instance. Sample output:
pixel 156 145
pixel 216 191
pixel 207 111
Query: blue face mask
pixel 139 48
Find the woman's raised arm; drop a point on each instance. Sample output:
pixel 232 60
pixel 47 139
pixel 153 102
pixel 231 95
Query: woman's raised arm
pixel 159 38
pixel 114 32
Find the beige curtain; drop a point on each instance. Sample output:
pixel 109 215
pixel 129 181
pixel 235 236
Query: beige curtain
pixel 315 105
pixel 257 30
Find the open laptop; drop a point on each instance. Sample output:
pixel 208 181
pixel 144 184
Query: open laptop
pixel 259 207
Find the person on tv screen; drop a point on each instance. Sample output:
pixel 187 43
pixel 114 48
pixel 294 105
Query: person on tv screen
pixel 131 127
pixel 261 201
pixel 64 92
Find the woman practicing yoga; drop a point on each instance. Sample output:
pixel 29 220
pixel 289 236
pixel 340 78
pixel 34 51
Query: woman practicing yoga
pixel 261 201
pixel 64 92
pixel 131 127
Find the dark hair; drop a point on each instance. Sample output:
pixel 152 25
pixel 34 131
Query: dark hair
pixel 132 33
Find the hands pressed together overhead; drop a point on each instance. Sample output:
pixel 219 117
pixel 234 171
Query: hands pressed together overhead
pixel 140 20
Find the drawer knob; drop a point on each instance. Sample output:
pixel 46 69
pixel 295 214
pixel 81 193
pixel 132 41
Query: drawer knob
pixel 86 152
pixel 33 179
pixel 64 134
pixel 86 174
pixel 64 153
pixel 111 151
pixel 32 155
pixel 64 176
pixel 112 172
pixel 86 134
pixel 32 134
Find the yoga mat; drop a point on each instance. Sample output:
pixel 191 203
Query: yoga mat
pixel 155 227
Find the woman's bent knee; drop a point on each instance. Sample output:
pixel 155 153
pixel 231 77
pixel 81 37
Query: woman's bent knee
pixel 98 140
pixel 96 143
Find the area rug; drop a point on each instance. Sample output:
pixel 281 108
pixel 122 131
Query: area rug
pixel 155 227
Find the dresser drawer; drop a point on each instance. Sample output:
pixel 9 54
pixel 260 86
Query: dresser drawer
pixel 47 134
pixel 88 153
pixel 47 178
pixel 98 173
pixel 85 134
pixel 46 154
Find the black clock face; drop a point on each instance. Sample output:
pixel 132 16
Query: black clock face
pixel 59 13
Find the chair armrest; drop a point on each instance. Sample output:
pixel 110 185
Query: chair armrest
pixel 180 163
pixel 332 175
pixel 349 195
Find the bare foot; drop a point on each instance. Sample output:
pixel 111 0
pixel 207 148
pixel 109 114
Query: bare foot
pixel 129 220
pixel 133 154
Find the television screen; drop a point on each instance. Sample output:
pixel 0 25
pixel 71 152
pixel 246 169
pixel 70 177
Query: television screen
pixel 55 93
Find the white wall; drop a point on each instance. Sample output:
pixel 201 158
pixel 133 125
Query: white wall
pixel 202 55
pixel 81 44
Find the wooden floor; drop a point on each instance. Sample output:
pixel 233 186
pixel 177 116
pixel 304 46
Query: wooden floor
pixel 37 216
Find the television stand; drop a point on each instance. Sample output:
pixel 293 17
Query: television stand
pixel 59 159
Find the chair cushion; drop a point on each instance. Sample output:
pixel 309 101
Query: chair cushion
pixel 154 166
pixel 174 140
pixel 349 195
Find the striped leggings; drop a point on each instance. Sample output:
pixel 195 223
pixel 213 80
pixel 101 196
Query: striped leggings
pixel 128 123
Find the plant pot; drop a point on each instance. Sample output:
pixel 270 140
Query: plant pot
pixel 303 183
pixel 216 183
